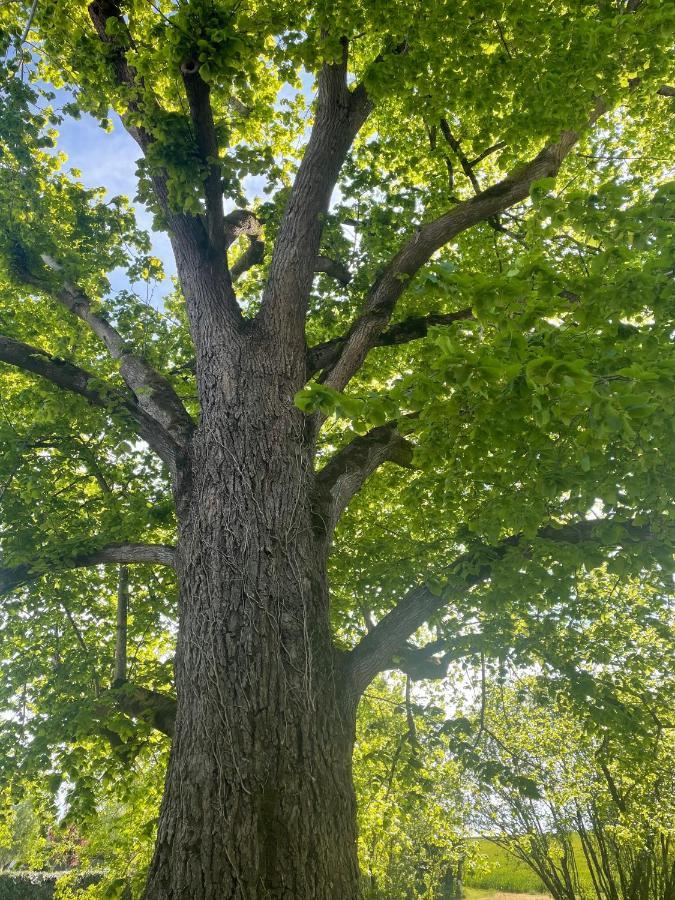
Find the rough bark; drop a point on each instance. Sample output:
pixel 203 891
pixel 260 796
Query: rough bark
pixel 259 799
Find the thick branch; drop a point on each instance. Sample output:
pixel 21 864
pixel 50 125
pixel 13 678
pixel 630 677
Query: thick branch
pixel 252 256
pixel 255 253
pixel 384 294
pixel 159 710
pixel 334 268
pixel 344 475
pixel 101 12
pixel 125 554
pixel 431 662
pixel 340 113
pixel 199 100
pixel 61 373
pixel 72 378
pixel 243 222
pixel 156 709
pixel 325 355
pixel 209 297
pixel 153 391
pixel 378 648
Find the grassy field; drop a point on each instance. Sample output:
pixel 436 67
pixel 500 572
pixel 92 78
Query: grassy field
pixel 480 894
pixel 500 871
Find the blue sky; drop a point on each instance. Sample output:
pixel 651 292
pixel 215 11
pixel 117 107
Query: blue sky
pixel 109 160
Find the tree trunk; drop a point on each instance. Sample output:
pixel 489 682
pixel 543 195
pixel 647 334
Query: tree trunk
pixel 259 800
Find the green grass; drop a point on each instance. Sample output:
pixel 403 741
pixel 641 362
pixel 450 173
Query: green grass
pixel 501 871
pixel 481 894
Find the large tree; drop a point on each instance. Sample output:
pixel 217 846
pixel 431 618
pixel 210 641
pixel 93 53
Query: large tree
pixel 428 358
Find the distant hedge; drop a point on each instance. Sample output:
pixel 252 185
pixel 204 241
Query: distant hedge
pixel 36 885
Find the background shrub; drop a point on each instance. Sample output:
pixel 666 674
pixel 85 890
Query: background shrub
pixel 37 885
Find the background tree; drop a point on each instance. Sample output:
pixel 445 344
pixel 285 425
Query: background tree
pixel 595 741
pixel 481 190
pixel 601 822
pixel 412 811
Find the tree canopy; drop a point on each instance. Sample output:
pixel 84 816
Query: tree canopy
pixel 488 337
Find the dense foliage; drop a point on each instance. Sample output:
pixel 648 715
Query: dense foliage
pixel 501 230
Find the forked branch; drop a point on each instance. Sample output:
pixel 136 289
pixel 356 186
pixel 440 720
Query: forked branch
pixel 198 93
pixel 153 391
pixel 323 356
pixel 344 475
pixel 379 648
pixel 382 298
pixel 255 254
pixel 340 114
pixel 72 378
pixel 139 103
pixel 193 239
